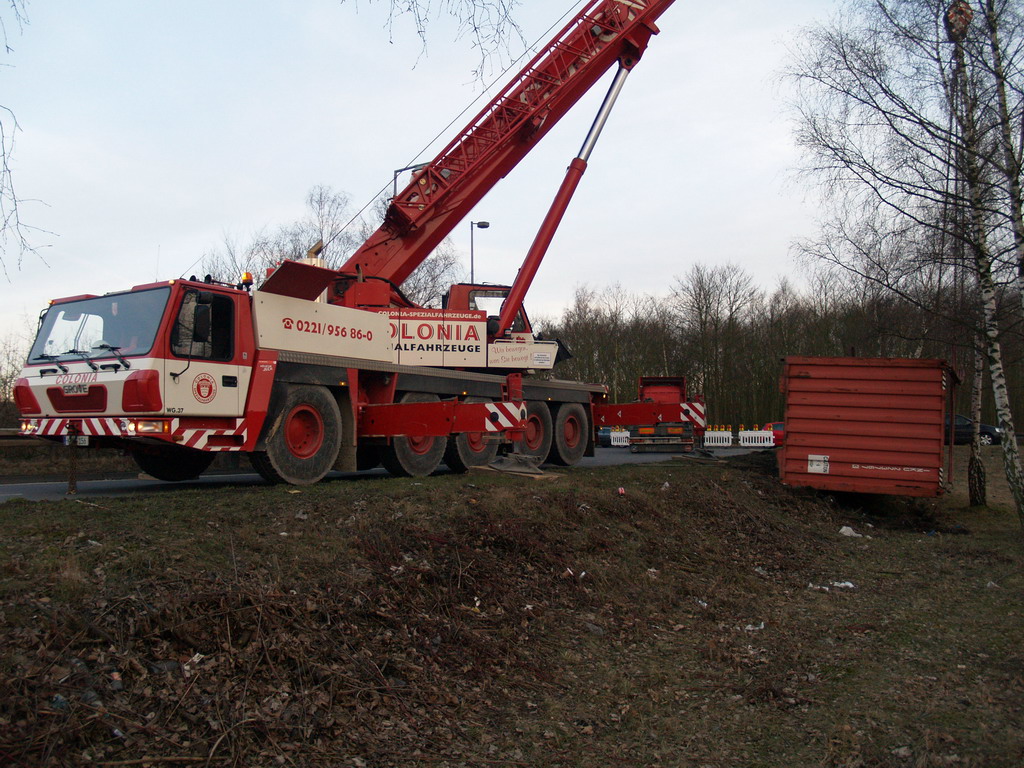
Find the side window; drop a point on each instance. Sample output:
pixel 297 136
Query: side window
pixel 219 345
pixel 491 301
pixel 519 323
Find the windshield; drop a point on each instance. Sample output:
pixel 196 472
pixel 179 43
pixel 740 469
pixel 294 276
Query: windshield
pixel 119 324
pixel 491 301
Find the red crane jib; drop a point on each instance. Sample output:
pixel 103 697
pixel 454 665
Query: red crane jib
pixel 442 193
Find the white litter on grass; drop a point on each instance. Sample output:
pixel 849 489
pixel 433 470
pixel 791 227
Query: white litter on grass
pixel 753 628
pixel 832 585
pixel 190 665
pixel 848 531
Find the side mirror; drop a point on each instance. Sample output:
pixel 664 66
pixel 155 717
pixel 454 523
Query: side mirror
pixel 201 323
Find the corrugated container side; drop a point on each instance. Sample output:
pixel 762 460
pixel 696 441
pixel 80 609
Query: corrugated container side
pixel 871 425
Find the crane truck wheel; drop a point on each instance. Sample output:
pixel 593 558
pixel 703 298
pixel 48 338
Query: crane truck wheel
pixel 303 436
pixel 536 442
pixel 172 462
pixel 414 456
pixel 470 449
pixel 570 436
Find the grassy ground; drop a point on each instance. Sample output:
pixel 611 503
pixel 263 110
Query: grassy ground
pixel 705 617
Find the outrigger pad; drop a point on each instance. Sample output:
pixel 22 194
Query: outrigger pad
pixel 298 280
pixel 514 463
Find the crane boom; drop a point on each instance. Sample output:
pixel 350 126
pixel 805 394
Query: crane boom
pixel 442 193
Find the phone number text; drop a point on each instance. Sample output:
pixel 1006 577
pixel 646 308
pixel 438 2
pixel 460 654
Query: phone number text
pixel 327 329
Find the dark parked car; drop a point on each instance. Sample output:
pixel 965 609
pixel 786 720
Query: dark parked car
pixel 963 430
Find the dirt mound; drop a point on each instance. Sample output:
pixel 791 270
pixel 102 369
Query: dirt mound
pixel 764 462
pixel 454 621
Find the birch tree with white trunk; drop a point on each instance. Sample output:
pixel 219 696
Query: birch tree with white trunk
pixel 974 155
pixel 896 120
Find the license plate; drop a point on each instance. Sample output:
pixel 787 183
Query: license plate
pixel 76 389
pixel 79 440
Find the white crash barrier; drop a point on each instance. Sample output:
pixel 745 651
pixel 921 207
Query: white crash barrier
pixel 718 438
pixel 757 438
pixel 620 438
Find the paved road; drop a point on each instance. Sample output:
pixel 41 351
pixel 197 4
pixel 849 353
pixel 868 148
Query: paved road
pixel 90 489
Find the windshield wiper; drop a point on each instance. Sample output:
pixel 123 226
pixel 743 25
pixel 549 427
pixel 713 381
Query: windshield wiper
pixel 84 355
pixel 51 359
pixel 117 353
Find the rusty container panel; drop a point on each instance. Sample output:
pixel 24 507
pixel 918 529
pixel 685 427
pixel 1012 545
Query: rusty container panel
pixel 869 425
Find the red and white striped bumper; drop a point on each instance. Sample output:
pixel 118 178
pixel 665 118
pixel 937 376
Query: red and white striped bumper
pixel 169 430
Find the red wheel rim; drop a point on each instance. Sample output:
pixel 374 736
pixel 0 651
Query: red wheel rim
pixel 475 442
pixel 304 431
pixel 534 433
pixel 571 431
pixel 420 445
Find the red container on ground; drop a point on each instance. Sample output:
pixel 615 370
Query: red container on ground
pixel 867 425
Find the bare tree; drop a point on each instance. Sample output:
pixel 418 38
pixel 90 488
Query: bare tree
pixel 328 220
pixel 897 121
pixel 714 305
pixel 13 351
pixel 13 231
pixel 965 107
pixel 431 279
pixel 14 346
pixel 490 25
pixel 997 16
pixel 728 338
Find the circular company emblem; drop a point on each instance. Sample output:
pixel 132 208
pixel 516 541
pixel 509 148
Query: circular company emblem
pixel 204 388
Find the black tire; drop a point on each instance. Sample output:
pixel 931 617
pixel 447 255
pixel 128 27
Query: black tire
pixel 173 463
pixel 303 436
pixel 985 438
pixel 569 441
pixel 414 456
pixel 536 442
pixel 470 449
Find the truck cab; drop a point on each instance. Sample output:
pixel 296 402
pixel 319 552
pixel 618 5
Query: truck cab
pixel 135 362
pixel 487 298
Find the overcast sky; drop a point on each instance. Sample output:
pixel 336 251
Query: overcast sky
pixel 151 131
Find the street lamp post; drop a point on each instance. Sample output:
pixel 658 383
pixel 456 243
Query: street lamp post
pixel 474 225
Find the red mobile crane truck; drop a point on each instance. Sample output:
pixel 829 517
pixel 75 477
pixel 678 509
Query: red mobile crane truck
pixel 323 368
